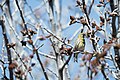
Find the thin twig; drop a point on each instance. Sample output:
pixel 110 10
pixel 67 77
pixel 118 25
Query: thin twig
pixel 35 9
pixel 113 60
pixel 2 61
pixel 33 14
pixel 90 7
pixel 57 38
pixel 52 72
pixel 42 54
pixel 76 32
pixel 51 16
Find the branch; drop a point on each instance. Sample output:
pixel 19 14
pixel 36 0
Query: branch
pixel 22 62
pixel 33 14
pixel 102 70
pixel 8 50
pixel 52 72
pixel 112 72
pixel 67 73
pixel 51 15
pixel 29 36
pixel 42 54
pixel 74 35
pixel 60 74
pixel 61 69
pixel 90 7
pixel 21 14
pixel 114 33
pixel 9 10
pixel 85 11
pixel 57 38
pixel 113 19
pixel 35 9
pixel 113 61
pixel 40 62
pixel 67 61
pixel 56 53
pixel 2 61
pixel 118 34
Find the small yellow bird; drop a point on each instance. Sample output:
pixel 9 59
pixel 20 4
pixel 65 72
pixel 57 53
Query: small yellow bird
pixel 79 45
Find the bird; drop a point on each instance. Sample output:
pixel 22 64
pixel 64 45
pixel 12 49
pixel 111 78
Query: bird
pixel 79 45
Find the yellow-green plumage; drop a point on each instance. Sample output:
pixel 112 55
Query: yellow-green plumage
pixel 79 45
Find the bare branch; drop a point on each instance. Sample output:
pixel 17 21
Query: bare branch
pixel 85 11
pixel 57 37
pixel 8 50
pixel 103 72
pixel 22 62
pixel 67 61
pixel 114 32
pixel 25 26
pixel 52 72
pixel 90 7
pixel 42 54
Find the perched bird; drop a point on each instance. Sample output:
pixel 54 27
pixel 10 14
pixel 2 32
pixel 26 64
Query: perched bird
pixel 79 45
